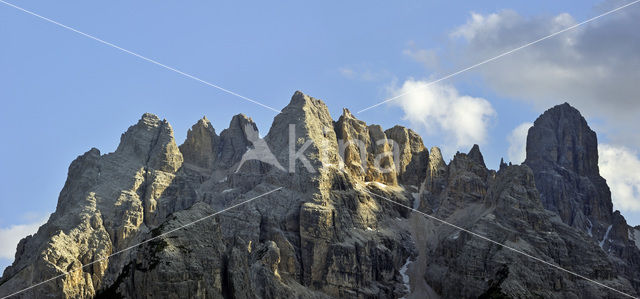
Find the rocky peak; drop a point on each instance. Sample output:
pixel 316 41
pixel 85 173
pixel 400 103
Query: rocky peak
pixel 347 113
pixel 503 165
pixel 472 162
pixel 139 138
pixel 476 155
pixel 201 146
pixel 347 121
pixel 309 121
pixel 299 100
pixel 468 175
pixel 562 137
pixel 560 144
pixel 413 156
pixel 350 131
pixel 366 150
pixel 235 140
pixel 152 144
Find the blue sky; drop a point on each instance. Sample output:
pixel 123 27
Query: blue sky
pixel 63 93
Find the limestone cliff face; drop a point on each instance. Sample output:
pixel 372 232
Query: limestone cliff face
pixel 562 151
pixel 561 145
pixel 505 207
pixel 366 150
pixel 201 147
pixel 323 234
pixel 412 155
pixel 105 202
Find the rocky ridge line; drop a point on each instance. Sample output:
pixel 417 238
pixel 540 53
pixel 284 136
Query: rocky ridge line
pixel 323 235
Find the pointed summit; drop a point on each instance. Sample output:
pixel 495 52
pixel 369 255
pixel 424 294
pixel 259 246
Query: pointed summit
pixel 502 164
pixel 200 147
pixel 476 155
pixel 151 143
pixel 236 139
pixel 561 136
pixel 307 119
pixel 300 101
pixel 347 114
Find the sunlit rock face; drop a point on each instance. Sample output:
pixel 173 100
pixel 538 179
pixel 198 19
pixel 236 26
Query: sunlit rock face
pixel 151 220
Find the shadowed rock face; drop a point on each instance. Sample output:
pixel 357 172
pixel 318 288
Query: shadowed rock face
pixel 562 151
pixel 460 265
pixel 202 145
pixel 323 234
pixel 413 156
pixel 561 145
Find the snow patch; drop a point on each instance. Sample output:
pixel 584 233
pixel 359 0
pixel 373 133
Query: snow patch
pixel 456 235
pixel 405 277
pixel 226 190
pixel 606 236
pixel 634 234
pixel 590 228
pixel 416 200
pixel 223 180
pixel 369 229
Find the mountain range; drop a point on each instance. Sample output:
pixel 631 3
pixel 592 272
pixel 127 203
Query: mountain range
pixel 324 208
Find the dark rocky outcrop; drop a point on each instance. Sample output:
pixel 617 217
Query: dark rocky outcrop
pixel 562 151
pixel 461 265
pixel 561 145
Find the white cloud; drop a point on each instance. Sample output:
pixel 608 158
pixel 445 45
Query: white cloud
pixel 362 73
pixel 347 72
pixel 620 166
pixel 462 120
pixel 428 58
pixel 594 67
pixel 517 139
pixel 10 236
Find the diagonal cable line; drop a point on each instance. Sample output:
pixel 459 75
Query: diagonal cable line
pixel 142 57
pixel 498 57
pixel 143 242
pixel 500 244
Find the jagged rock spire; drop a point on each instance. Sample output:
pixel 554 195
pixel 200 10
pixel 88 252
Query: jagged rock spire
pixel 201 146
pixel 476 155
pixel 235 140
pixel 363 145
